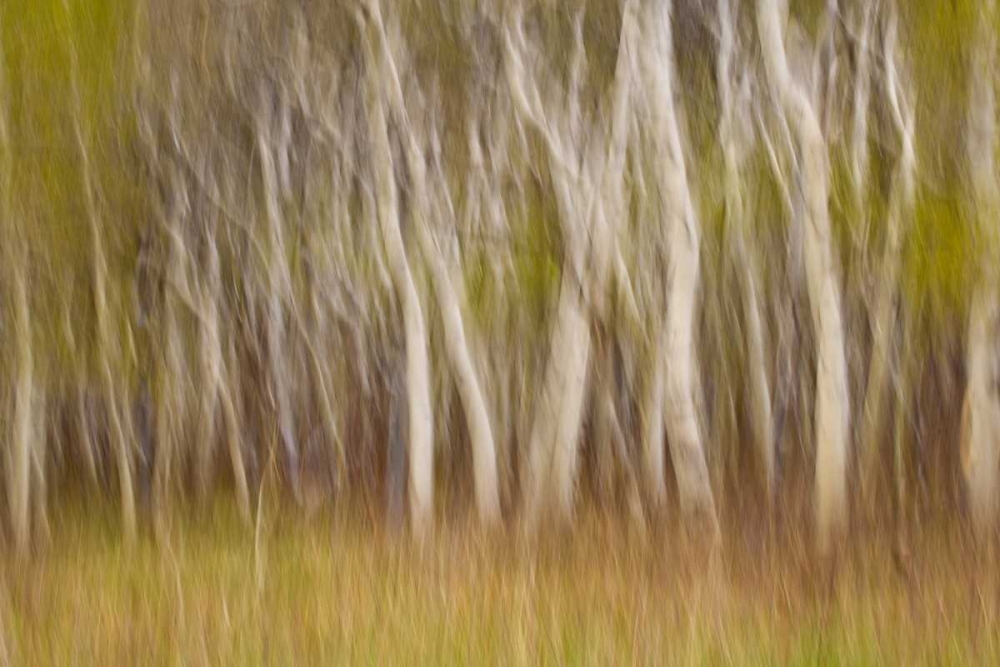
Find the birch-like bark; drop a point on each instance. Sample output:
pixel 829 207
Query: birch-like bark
pixel 456 347
pixel 420 437
pixel 460 361
pixel 832 411
pixel 676 358
pixel 556 423
pixel 19 475
pixel 495 348
pixel 983 466
pixel 584 198
pixel 603 210
pixel 18 460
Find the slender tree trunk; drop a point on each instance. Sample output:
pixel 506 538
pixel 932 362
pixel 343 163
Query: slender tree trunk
pixel 420 418
pixel 736 231
pixel 105 338
pixel 832 410
pixel 19 476
pixel 279 294
pixel 18 321
pixel 456 347
pixel 234 440
pixel 170 372
pixel 677 356
pixel 460 361
pixel 983 414
pixel 396 458
pixel 39 485
pixel 983 470
pixel 556 422
pixel 588 200
pixel 884 316
pixel 210 362
pixel 216 390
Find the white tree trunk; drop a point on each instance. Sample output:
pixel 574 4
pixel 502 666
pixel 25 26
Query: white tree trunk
pixel 653 429
pixel 420 440
pixel 832 410
pixel 18 456
pixel 460 362
pixel 217 395
pixel 39 484
pixel 19 477
pixel 983 467
pixel 552 443
pixel 676 354
pixel 555 428
pixel 589 202
pixel 456 347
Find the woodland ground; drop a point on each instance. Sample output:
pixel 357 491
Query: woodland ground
pixel 329 590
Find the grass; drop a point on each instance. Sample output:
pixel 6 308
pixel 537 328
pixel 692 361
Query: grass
pixel 330 591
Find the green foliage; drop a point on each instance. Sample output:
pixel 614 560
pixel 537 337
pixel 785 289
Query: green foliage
pixel 937 271
pixel 45 47
pixel 38 38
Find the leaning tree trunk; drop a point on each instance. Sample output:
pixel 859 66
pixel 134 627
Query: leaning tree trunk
pixel 456 347
pixel 675 356
pixel 420 419
pixel 832 411
pixel 588 198
pixel 460 361
pixel 557 420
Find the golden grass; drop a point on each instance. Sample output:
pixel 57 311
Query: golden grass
pixel 330 591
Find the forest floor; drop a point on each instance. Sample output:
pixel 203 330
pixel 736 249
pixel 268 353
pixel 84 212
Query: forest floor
pixel 328 590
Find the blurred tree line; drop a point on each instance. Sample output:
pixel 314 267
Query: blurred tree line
pixel 509 254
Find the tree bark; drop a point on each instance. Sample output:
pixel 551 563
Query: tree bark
pixel 456 347
pixel 19 476
pixel 420 418
pixel 676 354
pixel 831 410
pixel 983 469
